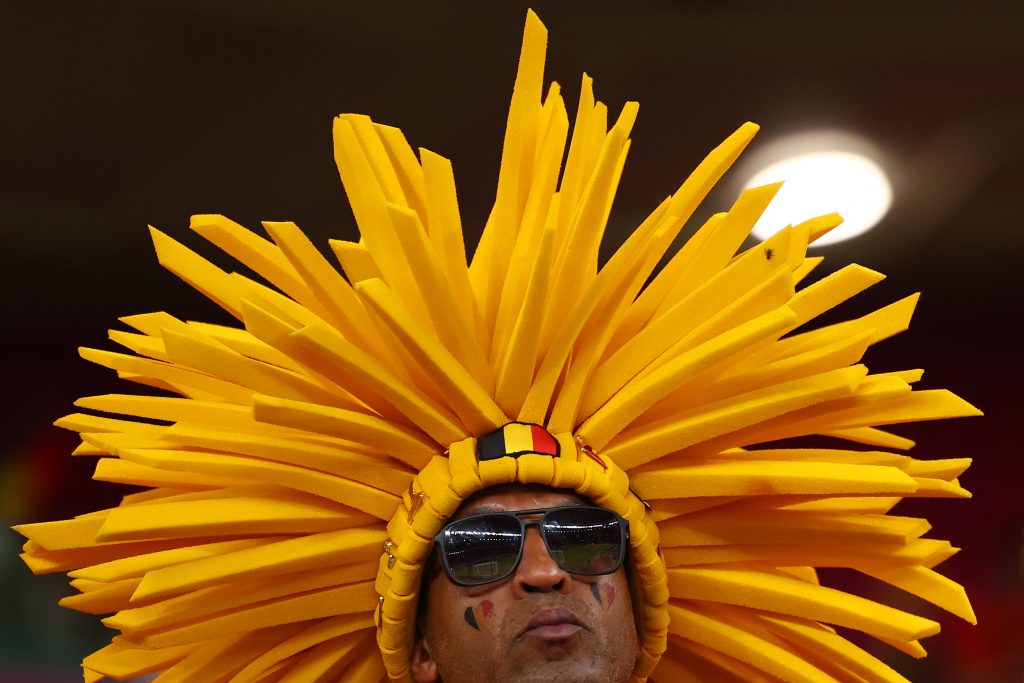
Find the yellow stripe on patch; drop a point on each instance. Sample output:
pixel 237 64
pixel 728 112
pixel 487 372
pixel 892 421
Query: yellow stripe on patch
pixel 518 438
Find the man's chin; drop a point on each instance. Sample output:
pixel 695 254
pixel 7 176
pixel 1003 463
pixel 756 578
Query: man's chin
pixel 565 670
pixel 558 660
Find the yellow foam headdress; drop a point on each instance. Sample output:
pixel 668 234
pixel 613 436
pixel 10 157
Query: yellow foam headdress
pixel 297 467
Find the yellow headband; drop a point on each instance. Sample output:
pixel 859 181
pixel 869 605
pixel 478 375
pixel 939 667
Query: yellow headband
pixel 295 469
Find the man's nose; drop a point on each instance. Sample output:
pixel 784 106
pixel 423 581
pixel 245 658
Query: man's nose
pixel 538 572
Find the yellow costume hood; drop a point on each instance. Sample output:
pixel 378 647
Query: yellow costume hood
pixel 295 468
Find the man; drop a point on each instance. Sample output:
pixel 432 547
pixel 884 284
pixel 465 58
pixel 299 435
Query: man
pixel 539 623
pixel 300 473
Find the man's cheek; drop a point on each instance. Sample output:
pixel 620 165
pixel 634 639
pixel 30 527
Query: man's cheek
pixel 481 616
pixel 604 593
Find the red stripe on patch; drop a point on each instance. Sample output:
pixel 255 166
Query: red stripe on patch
pixel 543 442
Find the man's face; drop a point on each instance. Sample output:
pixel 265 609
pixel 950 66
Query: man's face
pixel 540 624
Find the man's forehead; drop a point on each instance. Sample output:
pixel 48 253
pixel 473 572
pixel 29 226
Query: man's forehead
pixel 509 497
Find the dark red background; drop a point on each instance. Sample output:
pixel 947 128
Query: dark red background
pixel 119 114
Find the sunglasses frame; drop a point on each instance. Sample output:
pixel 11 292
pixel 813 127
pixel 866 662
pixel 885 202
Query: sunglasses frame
pixel 440 539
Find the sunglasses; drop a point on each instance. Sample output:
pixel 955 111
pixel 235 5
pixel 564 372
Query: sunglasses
pixel 485 548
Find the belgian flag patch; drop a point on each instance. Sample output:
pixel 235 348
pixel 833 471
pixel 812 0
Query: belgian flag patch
pixel 515 439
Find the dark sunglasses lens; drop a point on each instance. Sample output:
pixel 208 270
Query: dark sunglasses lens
pixel 584 540
pixel 482 549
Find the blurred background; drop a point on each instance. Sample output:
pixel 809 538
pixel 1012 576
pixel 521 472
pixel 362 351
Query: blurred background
pixel 118 114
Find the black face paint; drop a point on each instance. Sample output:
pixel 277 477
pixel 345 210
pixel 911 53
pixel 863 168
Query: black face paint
pixel 597 592
pixel 471 618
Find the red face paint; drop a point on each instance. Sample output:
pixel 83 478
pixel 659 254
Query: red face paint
pixel 609 592
pixel 487 607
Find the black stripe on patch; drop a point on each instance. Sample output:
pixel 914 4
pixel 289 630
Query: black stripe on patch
pixel 492 446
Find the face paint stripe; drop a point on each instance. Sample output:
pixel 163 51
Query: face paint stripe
pixel 471 618
pixel 596 591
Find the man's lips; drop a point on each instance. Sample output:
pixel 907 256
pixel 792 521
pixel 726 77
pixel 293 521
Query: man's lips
pixel 552 623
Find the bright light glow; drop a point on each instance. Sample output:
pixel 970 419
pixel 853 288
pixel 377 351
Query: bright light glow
pixel 817 183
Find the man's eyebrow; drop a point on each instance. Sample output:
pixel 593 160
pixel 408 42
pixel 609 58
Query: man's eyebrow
pixel 485 508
